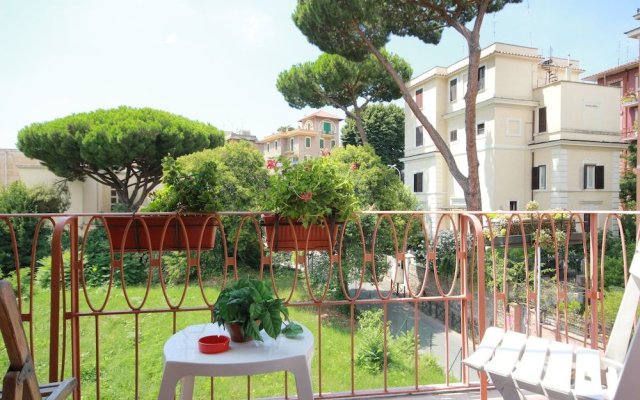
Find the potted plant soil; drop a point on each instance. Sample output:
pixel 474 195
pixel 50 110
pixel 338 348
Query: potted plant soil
pixel 310 200
pixel 190 195
pixel 247 306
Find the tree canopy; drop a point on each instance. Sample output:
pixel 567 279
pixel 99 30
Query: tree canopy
pixel 384 125
pixel 357 28
pixel 122 148
pixel 239 181
pixel 377 186
pixel 333 80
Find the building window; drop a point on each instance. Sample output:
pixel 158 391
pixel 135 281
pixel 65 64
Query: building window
pixel 419 98
pixel 513 205
pixel 481 78
pixel 593 176
pixel 453 135
pixel 480 129
pixel 419 136
pixel 453 90
pixel 276 145
pixel 322 143
pixel 308 126
pixel 113 197
pixel 291 142
pixel 542 119
pixel 333 144
pixel 268 147
pixel 307 142
pixel 327 127
pixel 539 177
pixel 417 182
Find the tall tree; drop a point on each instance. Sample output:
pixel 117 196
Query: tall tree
pixel 357 28
pixel 333 80
pixel 122 148
pixel 384 126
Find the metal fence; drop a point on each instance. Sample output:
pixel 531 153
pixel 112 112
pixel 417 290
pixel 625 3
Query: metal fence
pixel 100 294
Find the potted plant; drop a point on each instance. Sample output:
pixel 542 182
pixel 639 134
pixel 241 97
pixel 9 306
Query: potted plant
pixel 307 198
pixel 186 193
pixel 247 306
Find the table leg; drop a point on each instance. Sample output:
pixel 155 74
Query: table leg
pixel 302 372
pixel 187 388
pixel 168 386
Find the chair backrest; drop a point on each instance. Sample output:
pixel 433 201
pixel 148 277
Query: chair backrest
pixel 20 381
pixel 619 338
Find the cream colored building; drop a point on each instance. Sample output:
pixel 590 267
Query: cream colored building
pixel 317 132
pixel 541 134
pixel 88 196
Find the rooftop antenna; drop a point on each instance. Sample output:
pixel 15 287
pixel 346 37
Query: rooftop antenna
pixel 494 27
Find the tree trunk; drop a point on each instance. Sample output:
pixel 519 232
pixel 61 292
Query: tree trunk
pixel 472 194
pixel 357 116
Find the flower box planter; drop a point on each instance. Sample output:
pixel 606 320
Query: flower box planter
pixel 196 227
pixel 282 235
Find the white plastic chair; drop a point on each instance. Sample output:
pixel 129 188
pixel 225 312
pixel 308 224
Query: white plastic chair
pixel 563 371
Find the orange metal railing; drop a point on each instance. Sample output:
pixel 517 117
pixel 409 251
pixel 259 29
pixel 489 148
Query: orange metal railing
pixel 447 275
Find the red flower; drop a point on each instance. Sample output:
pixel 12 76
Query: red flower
pixel 306 196
pixel 272 164
pixel 354 166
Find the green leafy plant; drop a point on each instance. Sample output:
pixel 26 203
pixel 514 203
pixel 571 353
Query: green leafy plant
pixel 187 190
pixel 309 191
pixel 251 304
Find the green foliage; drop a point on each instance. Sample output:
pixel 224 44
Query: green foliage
pixel 97 262
pixel 311 190
pixel 628 180
pixel 17 198
pixel 43 274
pixel 247 301
pixel 231 177
pixel 349 27
pixel 333 80
pixel 370 352
pixel 107 144
pixel 186 191
pixel 384 125
pixel 377 186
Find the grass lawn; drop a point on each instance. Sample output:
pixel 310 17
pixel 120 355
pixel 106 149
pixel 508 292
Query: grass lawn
pixel 117 337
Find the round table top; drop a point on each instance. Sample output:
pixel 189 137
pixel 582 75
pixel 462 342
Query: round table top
pixel 182 347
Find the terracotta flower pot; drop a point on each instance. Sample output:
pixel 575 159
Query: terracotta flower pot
pixel 281 236
pixel 236 333
pixel 136 239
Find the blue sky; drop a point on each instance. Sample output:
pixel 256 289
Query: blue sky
pixel 217 61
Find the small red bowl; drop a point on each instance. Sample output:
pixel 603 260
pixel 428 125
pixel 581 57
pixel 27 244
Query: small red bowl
pixel 213 344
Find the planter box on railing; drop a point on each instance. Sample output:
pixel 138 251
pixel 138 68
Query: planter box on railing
pixel 200 232
pixel 282 235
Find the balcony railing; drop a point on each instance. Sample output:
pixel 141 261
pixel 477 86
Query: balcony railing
pixel 394 303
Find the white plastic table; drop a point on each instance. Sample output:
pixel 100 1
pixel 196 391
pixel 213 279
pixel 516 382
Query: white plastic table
pixel 183 361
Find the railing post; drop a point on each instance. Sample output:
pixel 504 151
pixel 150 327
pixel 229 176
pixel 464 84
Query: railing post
pixel 593 271
pixel 57 270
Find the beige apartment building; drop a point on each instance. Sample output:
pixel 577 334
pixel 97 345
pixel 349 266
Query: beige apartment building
pixel 317 132
pixel 88 196
pixel 541 134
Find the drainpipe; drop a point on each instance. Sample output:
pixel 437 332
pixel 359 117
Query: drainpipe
pixel 533 153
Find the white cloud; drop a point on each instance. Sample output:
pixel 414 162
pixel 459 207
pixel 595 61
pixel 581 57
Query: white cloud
pixel 171 39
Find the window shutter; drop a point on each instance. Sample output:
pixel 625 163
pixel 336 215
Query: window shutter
pixel 535 178
pixel 584 176
pixel 599 177
pixel 419 98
